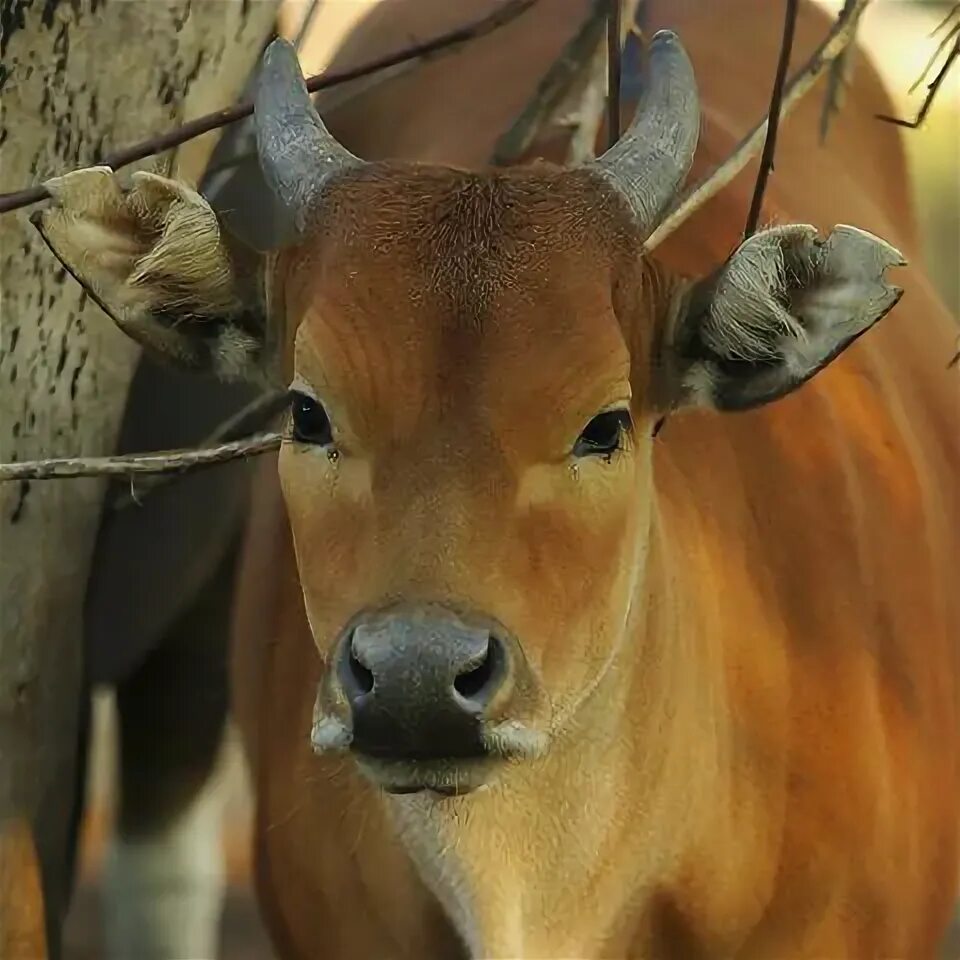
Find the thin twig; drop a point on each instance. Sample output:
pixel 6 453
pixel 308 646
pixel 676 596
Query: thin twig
pixel 955 359
pixel 837 81
pixel 306 23
pixel 554 89
pixel 254 416
pixel 941 46
pixel 587 112
pixel 175 461
pixel 951 13
pixel 835 43
pixel 447 42
pixel 614 48
pixel 776 98
pixel 932 89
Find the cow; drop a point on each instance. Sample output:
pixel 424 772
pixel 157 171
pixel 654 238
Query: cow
pixel 613 613
pixel 80 78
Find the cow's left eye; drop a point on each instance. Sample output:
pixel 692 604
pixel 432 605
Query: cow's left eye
pixel 310 421
pixel 602 435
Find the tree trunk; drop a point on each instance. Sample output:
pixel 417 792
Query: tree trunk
pixel 77 78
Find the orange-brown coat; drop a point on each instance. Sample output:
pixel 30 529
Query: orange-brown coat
pixel 724 721
pixel 818 539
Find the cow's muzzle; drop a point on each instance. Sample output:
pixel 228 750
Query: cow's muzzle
pixel 420 682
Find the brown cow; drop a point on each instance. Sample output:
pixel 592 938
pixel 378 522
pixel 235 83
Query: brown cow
pixel 580 692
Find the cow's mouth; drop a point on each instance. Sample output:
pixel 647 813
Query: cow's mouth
pixel 496 747
pixel 441 777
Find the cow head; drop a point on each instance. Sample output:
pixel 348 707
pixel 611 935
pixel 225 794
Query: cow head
pixel 475 364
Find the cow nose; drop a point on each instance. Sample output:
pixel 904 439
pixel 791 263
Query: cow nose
pixel 418 684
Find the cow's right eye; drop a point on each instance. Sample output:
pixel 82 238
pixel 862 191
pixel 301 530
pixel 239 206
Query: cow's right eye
pixel 310 421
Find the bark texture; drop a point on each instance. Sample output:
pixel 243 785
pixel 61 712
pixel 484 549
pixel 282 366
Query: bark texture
pixel 77 77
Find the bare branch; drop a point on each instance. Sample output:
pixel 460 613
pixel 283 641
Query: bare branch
pixel 839 79
pixel 573 92
pixel 173 461
pixel 586 115
pixel 306 23
pixel 776 98
pixel 445 43
pixel 955 359
pixel 836 42
pixel 937 82
pixel 954 11
pixel 565 75
pixel 614 48
pixel 941 46
pixel 254 416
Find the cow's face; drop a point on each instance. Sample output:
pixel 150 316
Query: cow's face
pixel 475 363
pixel 466 477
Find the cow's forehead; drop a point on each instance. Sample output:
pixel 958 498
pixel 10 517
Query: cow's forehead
pixel 463 241
pixel 430 286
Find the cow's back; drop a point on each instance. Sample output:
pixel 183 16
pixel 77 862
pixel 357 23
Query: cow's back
pixel 828 524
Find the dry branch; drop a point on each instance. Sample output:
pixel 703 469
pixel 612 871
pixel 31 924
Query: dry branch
pixel 573 92
pixel 306 23
pixel 554 91
pixel 955 359
pixel 600 93
pixel 773 118
pixel 585 113
pixel 614 50
pixel 172 461
pixel 445 43
pixel 254 416
pixel 839 38
pixel 838 79
pixel 933 87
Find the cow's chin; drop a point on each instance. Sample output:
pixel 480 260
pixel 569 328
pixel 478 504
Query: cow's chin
pixel 441 778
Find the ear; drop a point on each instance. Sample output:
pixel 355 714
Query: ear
pixel 155 258
pixel 784 306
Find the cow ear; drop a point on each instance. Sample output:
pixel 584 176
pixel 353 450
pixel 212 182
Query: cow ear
pixel 155 257
pixel 781 308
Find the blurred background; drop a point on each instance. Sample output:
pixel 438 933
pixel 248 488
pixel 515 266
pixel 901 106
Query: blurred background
pixel 897 33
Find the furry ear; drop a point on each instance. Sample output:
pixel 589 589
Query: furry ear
pixel 155 258
pixel 783 306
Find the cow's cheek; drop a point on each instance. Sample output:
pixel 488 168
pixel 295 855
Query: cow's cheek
pixel 330 519
pixel 574 574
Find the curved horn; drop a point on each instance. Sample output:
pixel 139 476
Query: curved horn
pixel 297 153
pixel 652 158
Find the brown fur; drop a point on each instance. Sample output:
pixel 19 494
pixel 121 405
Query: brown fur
pixel 739 640
pixel 765 764
pixel 22 933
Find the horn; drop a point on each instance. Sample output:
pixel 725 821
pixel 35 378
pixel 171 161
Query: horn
pixel 297 153
pixel 649 162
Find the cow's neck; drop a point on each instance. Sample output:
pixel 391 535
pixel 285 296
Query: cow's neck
pixel 558 858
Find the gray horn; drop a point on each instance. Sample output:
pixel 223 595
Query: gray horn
pixel 297 153
pixel 652 158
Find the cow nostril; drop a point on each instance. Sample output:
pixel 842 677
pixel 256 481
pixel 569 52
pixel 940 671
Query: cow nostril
pixel 478 683
pixel 361 679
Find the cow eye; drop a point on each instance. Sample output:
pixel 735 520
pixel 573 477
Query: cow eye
pixel 602 435
pixel 310 421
